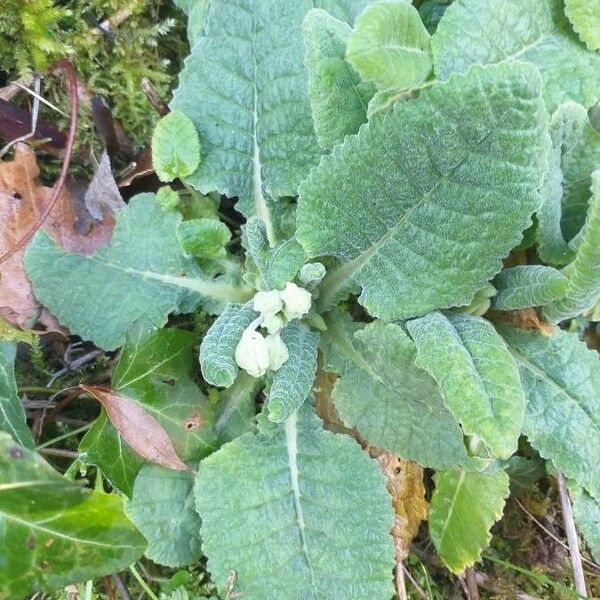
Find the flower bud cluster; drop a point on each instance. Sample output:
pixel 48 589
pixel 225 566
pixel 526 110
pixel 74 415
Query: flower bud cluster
pixel 257 353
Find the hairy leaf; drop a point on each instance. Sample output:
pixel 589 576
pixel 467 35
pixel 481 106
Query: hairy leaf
pixel 293 381
pixel 204 238
pixel 12 413
pixel 390 401
pixel 561 378
pixel 217 350
pixel 338 96
pixel 476 375
pixel 398 203
pixel 175 147
pixel 464 506
pixel 312 501
pixel 53 531
pixel 162 508
pixel 586 511
pixel 528 285
pixel 142 274
pixel 390 46
pixel 236 410
pixel 583 289
pixel 488 31
pixel 253 114
pixel 585 17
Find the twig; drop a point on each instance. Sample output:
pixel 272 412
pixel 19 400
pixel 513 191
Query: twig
pixel 155 100
pixel 400 583
pixel 121 587
pixel 60 182
pixel 40 98
pixel 107 26
pixel 108 588
pixel 58 452
pixel 141 581
pixel 471 582
pixel 417 587
pixel 569 524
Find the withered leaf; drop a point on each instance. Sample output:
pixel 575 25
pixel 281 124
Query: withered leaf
pixel 102 197
pixel 144 434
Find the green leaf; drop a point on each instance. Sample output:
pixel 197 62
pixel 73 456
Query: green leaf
pixel 293 381
pixel 338 97
pixel 12 413
pixel 253 112
pixel 390 401
pixel 217 350
pixel 561 378
pixel 536 31
pixel 54 531
pixel 476 375
pixel 162 508
pixel 464 506
pixel 167 198
pixel 528 285
pixel 586 511
pixel 585 18
pixel 141 275
pixel 583 289
pixel 204 238
pixel 156 371
pixel 398 203
pixel 175 147
pixel 577 167
pixel 312 501
pixel 390 46
pixel 566 130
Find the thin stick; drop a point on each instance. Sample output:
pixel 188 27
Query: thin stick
pixel 108 588
pixel 40 98
pixel 155 100
pixel 60 182
pixel 417 587
pixel 64 436
pixel 569 523
pixel 121 587
pixel 141 581
pixel 59 452
pixel 471 582
pixel 400 583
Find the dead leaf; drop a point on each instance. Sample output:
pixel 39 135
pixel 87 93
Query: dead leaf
pixel 144 434
pixel 22 200
pixel 102 197
pixel 526 319
pixel 405 485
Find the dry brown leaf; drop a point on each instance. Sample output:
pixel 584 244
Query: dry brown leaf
pixel 142 432
pixel 526 319
pixel 22 200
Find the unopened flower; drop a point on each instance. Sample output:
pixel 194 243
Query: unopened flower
pixel 278 352
pixel 274 323
pixel 267 303
pixel 252 353
pixel 297 301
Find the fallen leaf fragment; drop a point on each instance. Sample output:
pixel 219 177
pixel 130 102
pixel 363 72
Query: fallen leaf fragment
pixel 102 197
pixel 526 319
pixel 142 432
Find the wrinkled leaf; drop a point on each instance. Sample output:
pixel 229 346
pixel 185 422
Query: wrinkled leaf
pixel 586 511
pixel 585 18
pixel 54 531
pixel 312 501
pixel 464 506
pixel 236 410
pixel 162 508
pixel 204 238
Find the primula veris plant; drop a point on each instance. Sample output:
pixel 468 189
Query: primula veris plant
pixel 410 186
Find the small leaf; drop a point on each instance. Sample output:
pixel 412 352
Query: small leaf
pixel 585 18
pixel 54 531
pixel 390 46
pixel 561 378
pixel 103 198
pixel 476 374
pixel 583 290
pixel 464 506
pixel 338 97
pixel 12 413
pixel 204 238
pixel 138 428
pixel 217 350
pixel 175 147
pixel 586 511
pixel 167 198
pixel 162 508
pixel 312 501
pixel 293 381
pixel 528 285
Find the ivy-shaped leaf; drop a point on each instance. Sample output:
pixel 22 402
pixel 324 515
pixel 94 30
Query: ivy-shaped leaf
pixel 528 285
pixel 537 31
pixel 397 203
pixel 390 46
pixel 162 508
pixel 585 17
pixel 311 500
pixel 561 378
pixel 175 147
pixel 141 275
pixel 476 375
pixel 583 290
pixel 338 96
pixel 217 350
pixel 293 381
pixel 54 531
pixel 464 506
pixel 12 413
pixel 253 114
pixel 390 401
